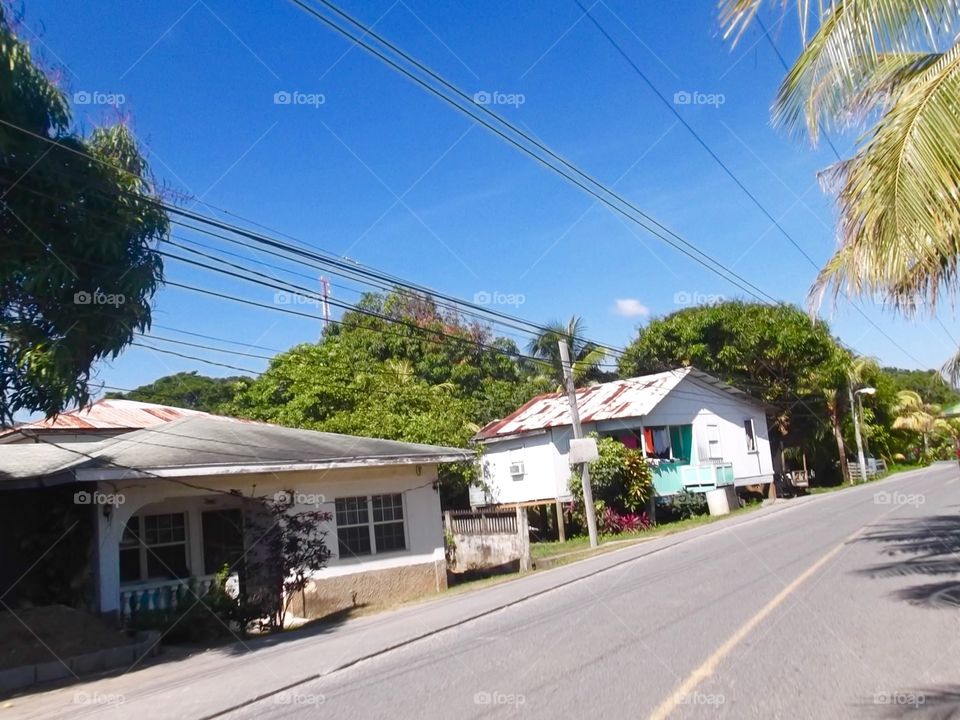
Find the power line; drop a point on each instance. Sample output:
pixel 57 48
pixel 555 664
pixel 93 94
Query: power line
pixel 729 172
pixel 307 292
pixel 198 359
pixel 324 257
pixel 679 243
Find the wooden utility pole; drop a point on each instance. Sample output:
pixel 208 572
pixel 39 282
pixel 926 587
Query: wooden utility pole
pixel 588 508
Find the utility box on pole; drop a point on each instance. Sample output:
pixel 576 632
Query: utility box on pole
pixel 588 508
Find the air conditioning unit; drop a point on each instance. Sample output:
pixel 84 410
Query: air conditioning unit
pixel 516 469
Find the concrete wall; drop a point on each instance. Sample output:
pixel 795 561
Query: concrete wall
pixel 488 550
pixel 423 522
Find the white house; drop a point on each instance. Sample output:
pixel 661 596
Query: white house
pixel 165 504
pixel 697 432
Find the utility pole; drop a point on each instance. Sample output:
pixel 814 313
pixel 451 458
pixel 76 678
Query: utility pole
pixel 588 508
pixel 856 432
pixel 325 302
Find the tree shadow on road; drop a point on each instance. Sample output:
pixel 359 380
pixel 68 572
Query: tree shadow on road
pixel 930 547
pixel 924 546
pixel 935 703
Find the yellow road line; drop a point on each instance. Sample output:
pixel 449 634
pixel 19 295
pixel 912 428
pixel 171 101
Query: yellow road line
pixel 709 666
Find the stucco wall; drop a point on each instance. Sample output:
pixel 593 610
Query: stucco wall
pixel 376 588
pixel 423 522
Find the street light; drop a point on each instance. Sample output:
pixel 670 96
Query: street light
pixel 856 428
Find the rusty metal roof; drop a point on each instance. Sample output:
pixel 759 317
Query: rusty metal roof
pixel 630 398
pixel 107 414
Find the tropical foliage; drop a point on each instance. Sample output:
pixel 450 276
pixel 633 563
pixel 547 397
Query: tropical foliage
pixel 622 485
pixel 400 367
pixel 586 358
pixel 77 263
pixel 895 64
pixel 187 390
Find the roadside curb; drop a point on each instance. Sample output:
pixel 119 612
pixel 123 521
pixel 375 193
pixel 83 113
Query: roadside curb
pixel 18 678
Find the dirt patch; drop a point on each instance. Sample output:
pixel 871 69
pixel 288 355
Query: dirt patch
pixel 42 634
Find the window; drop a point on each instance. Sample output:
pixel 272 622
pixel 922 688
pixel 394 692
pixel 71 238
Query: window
pixel 222 539
pixel 388 523
pixel 370 525
pixel 353 526
pixel 154 546
pixel 750 431
pixel 713 442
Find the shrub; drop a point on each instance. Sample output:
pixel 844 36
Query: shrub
pixel 686 504
pixel 632 522
pixel 622 483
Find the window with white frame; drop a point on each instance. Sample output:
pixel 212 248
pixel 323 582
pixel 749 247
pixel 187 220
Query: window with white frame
pixel 751 432
pixel 713 443
pixel 154 547
pixel 367 525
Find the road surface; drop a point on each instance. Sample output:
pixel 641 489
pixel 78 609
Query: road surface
pixel 838 606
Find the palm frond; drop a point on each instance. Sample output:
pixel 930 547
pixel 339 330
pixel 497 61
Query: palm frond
pixel 900 197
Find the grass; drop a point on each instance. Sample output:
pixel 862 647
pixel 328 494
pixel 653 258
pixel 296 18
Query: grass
pixel 891 470
pixel 580 546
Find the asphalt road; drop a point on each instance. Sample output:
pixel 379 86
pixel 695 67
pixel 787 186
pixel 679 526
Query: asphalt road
pixel 838 606
pixel 847 606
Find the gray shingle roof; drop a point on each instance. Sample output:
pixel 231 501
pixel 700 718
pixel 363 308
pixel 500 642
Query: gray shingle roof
pixel 208 444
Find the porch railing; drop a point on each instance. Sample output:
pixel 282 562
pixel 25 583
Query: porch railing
pixel 672 477
pixel 162 595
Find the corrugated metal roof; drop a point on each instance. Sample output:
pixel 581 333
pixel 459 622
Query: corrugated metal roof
pixel 109 414
pixel 630 398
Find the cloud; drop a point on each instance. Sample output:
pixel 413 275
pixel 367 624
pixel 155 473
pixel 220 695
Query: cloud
pixel 630 307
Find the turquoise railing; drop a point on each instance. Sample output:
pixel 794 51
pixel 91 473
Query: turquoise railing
pixel 670 478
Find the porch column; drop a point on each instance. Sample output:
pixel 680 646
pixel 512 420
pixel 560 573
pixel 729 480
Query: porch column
pixel 107 563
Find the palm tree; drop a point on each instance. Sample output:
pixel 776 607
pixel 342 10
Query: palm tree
pixel 895 62
pixel 585 356
pixel 917 416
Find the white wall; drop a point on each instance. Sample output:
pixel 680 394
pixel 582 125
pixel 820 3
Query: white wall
pixel 423 520
pixel 542 479
pixel 690 403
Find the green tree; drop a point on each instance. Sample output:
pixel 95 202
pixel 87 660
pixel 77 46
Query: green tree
pixel 77 263
pixel 188 390
pixel 929 383
pixel 896 64
pixel 585 357
pixel 400 367
pixel 775 353
pixel 917 416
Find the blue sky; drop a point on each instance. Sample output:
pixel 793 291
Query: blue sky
pixel 388 175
